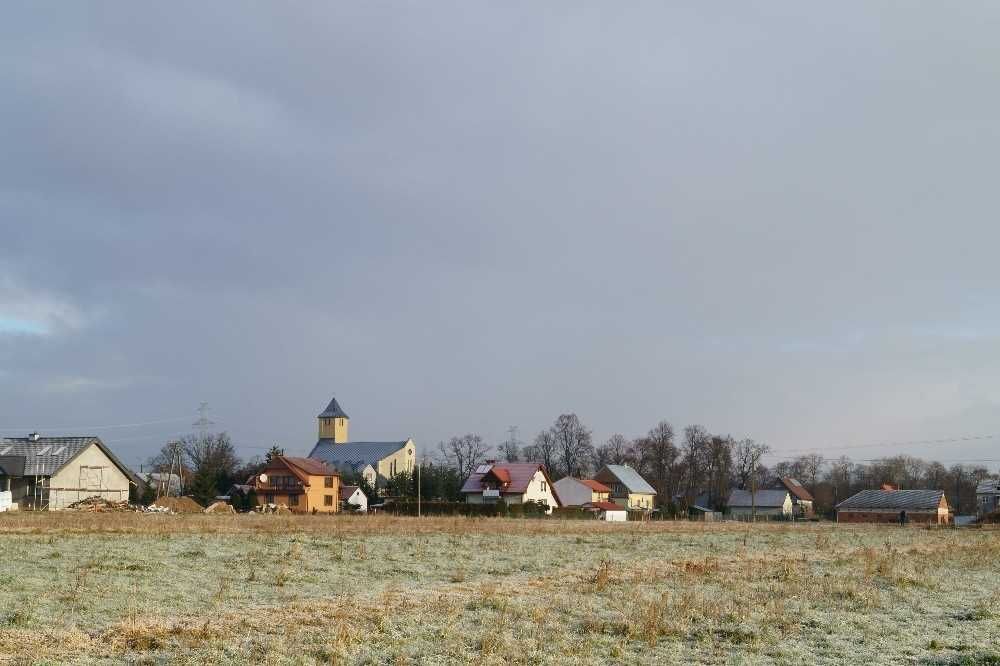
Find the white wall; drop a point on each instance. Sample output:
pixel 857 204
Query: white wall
pixel 539 490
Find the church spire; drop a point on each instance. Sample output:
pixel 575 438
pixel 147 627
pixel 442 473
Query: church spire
pixel 333 423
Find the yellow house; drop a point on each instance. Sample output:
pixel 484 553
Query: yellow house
pixel 628 488
pixel 303 485
pixel 377 462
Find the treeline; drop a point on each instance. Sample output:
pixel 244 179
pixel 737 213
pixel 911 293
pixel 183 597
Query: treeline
pixel 695 463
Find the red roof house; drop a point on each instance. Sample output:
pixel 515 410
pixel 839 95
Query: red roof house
pixel 516 483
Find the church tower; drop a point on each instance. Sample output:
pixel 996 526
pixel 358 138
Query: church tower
pixel 333 423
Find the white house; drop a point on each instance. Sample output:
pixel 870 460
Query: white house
pixel 516 483
pixel 352 495
pixel 766 503
pixel 53 472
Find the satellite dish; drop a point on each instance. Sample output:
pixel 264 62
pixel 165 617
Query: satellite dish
pixel 263 478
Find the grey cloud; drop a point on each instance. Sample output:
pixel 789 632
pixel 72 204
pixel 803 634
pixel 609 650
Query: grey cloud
pixel 775 220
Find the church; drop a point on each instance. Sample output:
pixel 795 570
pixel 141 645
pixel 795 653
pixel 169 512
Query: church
pixel 377 462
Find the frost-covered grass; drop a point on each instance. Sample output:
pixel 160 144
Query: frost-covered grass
pixel 108 588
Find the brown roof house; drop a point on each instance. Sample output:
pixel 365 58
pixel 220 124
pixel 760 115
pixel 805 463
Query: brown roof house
pixel 516 483
pixel 303 485
pixel 802 499
pixel 577 492
pixel 895 506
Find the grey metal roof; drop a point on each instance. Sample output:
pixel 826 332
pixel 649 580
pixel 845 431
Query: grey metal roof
pixel 47 455
pixel 11 465
pixel 764 498
pixel 629 478
pixel 354 456
pixel 333 410
pixel 893 499
pixel 988 487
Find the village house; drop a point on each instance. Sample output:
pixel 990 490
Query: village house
pixel 895 506
pixel 988 497
pixel 304 485
pixel 628 488
pixel 354 499
pixel 53 472
pixel 802 499
pixel 766 504
pixel 515 483
pixel 577 492
pixel 377 462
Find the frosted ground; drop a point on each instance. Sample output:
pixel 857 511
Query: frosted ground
pixel 113 588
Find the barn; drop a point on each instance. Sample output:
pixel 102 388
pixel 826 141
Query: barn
pixel 53 472
pixel 895 506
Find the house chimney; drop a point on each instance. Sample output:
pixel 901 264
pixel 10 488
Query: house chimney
pixel 34 437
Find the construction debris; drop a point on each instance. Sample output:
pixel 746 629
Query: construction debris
pixel 176 505
pixel 97 504
pixel 220 507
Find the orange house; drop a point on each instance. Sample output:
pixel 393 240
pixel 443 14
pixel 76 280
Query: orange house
pixel 304 485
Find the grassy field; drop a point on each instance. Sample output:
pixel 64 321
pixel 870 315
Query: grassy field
pixel 114 588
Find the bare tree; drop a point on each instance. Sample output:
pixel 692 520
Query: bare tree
pixel 694 456
pixel 543 450
pixel 660 459
pixel 748 456
pixel 615 451
pixel 747 460
pixel 573 443
pixel 464 453
pixel 213 460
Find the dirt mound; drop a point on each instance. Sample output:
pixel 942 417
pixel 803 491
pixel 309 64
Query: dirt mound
pixel 220 507
pixel 97 504
pixel 179 504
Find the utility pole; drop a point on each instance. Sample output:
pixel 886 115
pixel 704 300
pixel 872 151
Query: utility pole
pixel 418 485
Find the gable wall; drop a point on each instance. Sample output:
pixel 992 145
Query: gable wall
pixel 90 473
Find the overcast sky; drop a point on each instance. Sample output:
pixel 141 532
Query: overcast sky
pixel 779 221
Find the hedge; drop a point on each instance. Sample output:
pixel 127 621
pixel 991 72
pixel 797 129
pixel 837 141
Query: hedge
pixel 499 509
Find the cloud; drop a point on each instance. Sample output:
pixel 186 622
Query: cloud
pixel 36 312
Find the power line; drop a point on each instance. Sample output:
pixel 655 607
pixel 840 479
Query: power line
pixel 915 442
pixel 97 427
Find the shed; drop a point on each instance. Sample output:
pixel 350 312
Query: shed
pixel 608 511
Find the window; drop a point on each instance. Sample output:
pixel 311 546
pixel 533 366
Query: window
pixel 269 498
pixel 543 486
pixel 293 500
pixel 328 482
pixel 327 500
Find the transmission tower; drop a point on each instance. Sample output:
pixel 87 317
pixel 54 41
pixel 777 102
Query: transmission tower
pixel 203 422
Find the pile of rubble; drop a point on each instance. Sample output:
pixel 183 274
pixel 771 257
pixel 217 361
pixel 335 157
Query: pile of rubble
pixel 220 507
pixel 97 504
pixel 175 505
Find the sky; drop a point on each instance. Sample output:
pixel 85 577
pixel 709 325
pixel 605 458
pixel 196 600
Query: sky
pixel 775 219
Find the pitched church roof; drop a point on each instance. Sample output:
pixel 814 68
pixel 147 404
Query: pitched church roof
pixel 354 456
pixel 333 411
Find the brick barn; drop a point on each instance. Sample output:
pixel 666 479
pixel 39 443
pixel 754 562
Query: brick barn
pixel 895 506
